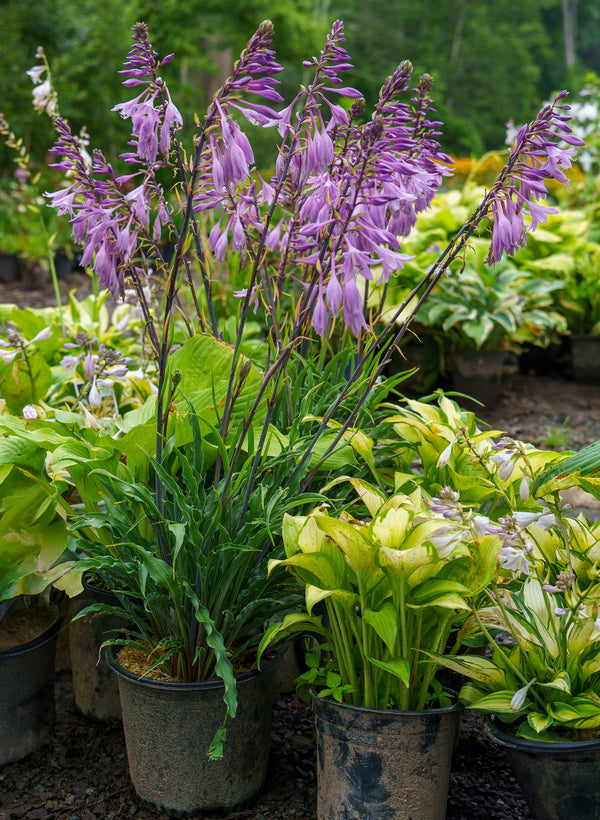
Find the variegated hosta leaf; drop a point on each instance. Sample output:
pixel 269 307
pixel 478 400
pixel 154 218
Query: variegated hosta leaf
pixel 539 721
pixel 482 670
pixel 498 702
pixel 301 534
pixel 560 681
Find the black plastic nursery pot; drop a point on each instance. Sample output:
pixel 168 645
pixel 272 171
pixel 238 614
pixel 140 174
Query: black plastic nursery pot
pixel 478 373
pixel 169 727
pixel 585 358
pixel 27 695
pixel 558 780
pixel 95 687
pixel 385 764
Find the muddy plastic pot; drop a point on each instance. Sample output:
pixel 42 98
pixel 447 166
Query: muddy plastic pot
pixel 478 374
pixel 95 687
pixel 585 358
pixel 168 730
pixel 27 695
pixel 558 780
pixel 385 764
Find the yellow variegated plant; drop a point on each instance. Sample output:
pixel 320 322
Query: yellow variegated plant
pixel 391 586
pixel 544 673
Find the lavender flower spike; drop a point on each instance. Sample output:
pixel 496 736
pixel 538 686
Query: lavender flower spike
pixel 537 157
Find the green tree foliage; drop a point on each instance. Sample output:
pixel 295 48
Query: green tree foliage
pixel 486 58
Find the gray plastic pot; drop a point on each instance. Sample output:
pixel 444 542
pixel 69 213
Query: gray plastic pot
pixel 27 695
pixel 585 357
pixel 558 780
pixel 478 374
pixel 384 764
pixel 94 685
pixel 168 729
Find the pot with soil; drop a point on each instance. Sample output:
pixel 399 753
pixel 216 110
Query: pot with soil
pixel 170 725
pixel 28 637
pixel 383 762
pixel 558 780
pixel 95 687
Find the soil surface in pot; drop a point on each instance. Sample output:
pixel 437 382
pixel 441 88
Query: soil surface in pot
pixel 23 624
pixel 81 772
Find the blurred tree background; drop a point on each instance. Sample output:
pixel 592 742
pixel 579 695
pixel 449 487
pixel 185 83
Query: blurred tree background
pixel 490 60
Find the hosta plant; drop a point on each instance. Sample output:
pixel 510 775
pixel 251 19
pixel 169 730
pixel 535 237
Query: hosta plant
pixel 543 675
pixel 380 592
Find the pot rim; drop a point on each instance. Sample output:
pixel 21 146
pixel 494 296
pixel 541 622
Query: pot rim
pixel 456 707
pixel 47 635
pixel 522 744
pixel 188 685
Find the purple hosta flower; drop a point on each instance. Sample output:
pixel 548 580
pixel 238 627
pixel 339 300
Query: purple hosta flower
pixel 564 581
pixel 516 545
pixel 537 156
pixel 446 504
pixel 29 412
pixel 560 611
pixel 153 114
pixel 505 457
pixel 72 362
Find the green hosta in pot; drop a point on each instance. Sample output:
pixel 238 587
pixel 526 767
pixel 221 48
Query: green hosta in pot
pixel 542 681
pixel 545 677
pixel 392 587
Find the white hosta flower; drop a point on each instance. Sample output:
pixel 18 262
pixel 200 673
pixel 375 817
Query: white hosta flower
pixel 518 699
pixel 35 73
pixel 42 335
pixel 544 519
pixel 29 412
pixel 8 355
pixel 94 396
pixel 445 455
pixel 514 559
pixel 42 95
pixel 524 489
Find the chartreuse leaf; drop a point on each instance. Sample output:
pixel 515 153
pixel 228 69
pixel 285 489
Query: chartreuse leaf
pixel 26 382
pixel 358 550
pixel 294 624
pixel 399 667
pixel 385 623
pixel 314 595
pixel 371 496
pixel 301 534
pixel 499 702
pixel 560 681
pixel 313 567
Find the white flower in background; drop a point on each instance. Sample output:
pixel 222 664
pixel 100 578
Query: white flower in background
pixel 36 73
